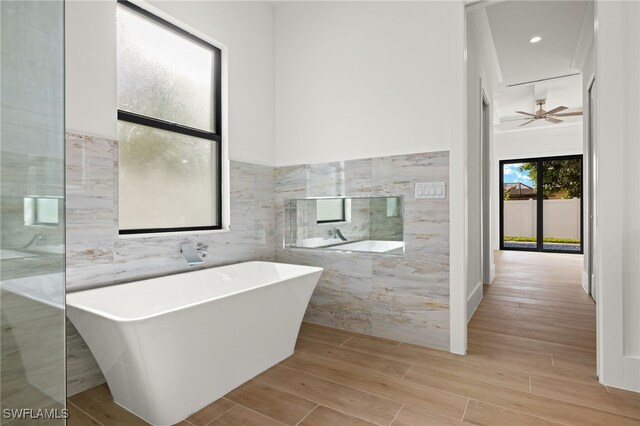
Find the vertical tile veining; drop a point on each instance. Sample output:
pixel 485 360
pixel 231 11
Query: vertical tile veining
pixel 404 298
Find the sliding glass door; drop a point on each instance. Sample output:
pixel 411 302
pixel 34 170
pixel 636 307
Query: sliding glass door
pixel 541 204
pixel 519 209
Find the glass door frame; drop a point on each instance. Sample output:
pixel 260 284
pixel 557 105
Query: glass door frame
pixel 540 202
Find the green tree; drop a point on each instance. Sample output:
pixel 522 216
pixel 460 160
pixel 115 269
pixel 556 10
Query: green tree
pixel 558 176
pixel 507 194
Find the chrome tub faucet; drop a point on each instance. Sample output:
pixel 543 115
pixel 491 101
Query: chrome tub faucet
pixel 336 233
pixel 194 253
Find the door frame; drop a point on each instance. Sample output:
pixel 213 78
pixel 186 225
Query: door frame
pixel 485 187
pixel 539 203
pixel 591 187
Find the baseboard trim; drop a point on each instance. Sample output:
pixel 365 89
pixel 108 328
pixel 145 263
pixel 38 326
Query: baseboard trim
pixel 474 300
pixel 632 373
pixel 585 281
pixel 630 378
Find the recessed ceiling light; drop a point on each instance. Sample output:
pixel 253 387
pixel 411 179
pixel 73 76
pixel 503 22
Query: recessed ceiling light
pixel 535 39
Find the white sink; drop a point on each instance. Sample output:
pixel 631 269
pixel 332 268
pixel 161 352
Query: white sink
pixel 372 246
pixel 319 242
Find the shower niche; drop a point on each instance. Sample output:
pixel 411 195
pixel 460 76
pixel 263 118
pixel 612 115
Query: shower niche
pixel 347 224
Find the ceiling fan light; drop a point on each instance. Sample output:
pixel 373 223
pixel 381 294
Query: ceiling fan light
pixel 535 39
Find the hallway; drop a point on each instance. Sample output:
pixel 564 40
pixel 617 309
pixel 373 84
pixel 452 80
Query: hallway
pixel 537 319
pixel 537 314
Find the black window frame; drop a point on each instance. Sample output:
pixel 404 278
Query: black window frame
pixel 540 203
pixel 344 212
pixel 215 136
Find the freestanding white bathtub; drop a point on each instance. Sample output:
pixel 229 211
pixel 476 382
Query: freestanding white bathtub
pixel 169 346
pixel 34 310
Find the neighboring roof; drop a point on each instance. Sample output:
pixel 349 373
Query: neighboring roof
pixel 519 190
pixel 518 185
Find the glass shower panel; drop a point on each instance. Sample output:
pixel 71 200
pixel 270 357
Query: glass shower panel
pixel 562 205
pixel 32 225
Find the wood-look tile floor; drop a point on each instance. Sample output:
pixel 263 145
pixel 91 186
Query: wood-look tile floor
pixel 531 361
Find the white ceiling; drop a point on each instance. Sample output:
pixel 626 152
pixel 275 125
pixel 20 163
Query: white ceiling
pixel 513 23
pixel 522 72
pixel 561 92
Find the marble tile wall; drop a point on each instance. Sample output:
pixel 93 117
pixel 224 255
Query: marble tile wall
pixel 98 256
pixel 400 297
pixel 404 298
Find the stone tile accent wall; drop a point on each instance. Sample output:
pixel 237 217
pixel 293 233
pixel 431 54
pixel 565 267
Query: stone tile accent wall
pixel 404 298
pixel 98 256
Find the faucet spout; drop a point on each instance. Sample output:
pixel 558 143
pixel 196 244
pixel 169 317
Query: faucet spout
pixel 191 253
pixel 35 240
pixel 338 233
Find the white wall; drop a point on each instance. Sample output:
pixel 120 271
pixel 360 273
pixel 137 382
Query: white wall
pixel 481 78
pixel 90 68
pixel 361 79
pixel 368 79
pixel 588 74
pixel 548 141
pixel 631 179
pixel 618 186
pixel 245 28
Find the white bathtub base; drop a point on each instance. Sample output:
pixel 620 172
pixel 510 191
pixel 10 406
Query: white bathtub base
pixel 166 367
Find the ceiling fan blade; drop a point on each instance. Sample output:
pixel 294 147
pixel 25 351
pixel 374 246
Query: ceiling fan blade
pixel 558 109
pixel 553 120
pixel 526 113
pixel 567 114
pixel 527 122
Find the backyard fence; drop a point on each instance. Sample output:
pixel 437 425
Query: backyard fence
pixel 561 218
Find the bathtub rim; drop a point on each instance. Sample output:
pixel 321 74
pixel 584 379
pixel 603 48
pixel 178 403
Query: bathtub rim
pixel 117 318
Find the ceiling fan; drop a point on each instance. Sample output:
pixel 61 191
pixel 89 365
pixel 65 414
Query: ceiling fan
pixel 550 116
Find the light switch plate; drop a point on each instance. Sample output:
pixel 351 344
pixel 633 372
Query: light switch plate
pixel 430 190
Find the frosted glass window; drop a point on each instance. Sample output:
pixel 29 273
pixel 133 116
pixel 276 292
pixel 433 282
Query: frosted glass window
pixel 164 74
pixel 330 210
pixel 169 135
pixel 166 180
